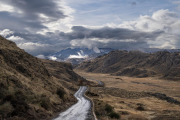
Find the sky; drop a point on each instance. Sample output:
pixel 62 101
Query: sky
pixel 42 27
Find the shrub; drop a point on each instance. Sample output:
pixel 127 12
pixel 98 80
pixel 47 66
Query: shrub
pixel 6 109
pixel 60 92
pixel 108 108
pixel 97 113
pixel 140 108
pixel 114 115
pixel 18 101
pixel 45 103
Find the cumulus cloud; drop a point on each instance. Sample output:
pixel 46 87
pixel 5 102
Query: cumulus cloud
pixel 160 30
pixel 52 58
pixel 10 35
pixel 6 32
pixel 35 25
pixel 15 38
pixel 35 16
pixel 162 20
pixel 31 46
pixel 108 37
pixel 37 44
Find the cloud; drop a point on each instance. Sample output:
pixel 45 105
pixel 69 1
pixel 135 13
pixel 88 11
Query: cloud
pixel 110 33
pixel 35 25
pixel 41 56
pixel 33 9
pixel 31 46
pixel 6 8
pixel 15 38
pixel 6 32
pixel 36 44
pixel 162 20
pixel 10 35
pixel 43 27
pixel 35 16
pixel 52 58
pixel 79 56
pixel 160 30
pixel 106 36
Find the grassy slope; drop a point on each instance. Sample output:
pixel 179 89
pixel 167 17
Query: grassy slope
pixel 29 89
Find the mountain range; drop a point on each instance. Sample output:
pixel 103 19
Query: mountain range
pixel 77 55
pixel 162 64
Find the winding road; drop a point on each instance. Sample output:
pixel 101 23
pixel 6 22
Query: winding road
pixel 79 111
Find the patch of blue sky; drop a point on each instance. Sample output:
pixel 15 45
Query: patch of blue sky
pixel 108 11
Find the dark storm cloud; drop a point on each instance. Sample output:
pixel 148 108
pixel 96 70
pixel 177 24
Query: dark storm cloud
pixel 18 24
pixel 30 11
pixel 25 20
pixel 118 38
pixel 84 37
pixel 80 32
pixel 31 8
pixel 36 44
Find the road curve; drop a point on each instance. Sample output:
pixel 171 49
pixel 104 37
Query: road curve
pixel 79 111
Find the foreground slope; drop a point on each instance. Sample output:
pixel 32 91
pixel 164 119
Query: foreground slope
pixel 134 63
pixel 29 88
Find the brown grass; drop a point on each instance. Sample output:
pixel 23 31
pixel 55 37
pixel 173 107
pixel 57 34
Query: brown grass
pixel 118 92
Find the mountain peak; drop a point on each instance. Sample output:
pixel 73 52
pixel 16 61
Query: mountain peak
pixel 78 55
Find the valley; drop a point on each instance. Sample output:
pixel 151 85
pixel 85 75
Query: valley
pixel 133 98
pixel 121 85
pixel 89 59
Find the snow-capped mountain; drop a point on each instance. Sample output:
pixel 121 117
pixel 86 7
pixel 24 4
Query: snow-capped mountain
pixel 77 55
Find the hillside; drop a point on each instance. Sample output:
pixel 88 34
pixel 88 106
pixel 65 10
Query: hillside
pixel 161 64
pixel 30 88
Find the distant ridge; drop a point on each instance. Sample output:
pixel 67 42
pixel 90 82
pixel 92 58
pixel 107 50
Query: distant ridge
pixel 163 64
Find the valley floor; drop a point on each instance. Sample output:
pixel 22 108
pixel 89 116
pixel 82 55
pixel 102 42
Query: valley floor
pixel 135 98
